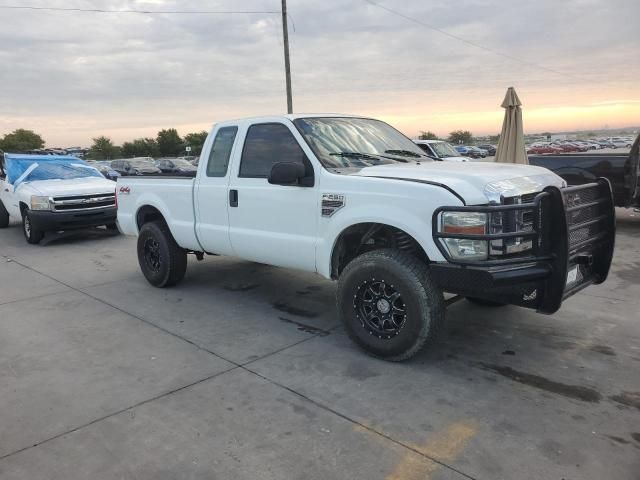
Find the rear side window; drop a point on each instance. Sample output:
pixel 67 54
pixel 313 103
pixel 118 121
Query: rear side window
pixel 221 152
pixel 267 144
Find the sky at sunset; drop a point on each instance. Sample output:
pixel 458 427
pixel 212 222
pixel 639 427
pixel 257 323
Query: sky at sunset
pixel 71 76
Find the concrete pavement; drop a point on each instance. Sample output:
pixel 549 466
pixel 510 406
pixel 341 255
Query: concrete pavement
pixel 242 371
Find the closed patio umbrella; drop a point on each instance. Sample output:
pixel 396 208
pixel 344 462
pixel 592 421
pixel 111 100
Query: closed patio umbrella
pixel 511 145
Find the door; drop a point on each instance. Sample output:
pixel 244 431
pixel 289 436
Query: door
pixel 212 217
pixel 273 224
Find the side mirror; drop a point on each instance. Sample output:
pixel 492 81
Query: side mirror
pixel 286 173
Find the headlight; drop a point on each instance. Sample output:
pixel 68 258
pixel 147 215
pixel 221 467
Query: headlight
pixel 465 223
pixel 40 203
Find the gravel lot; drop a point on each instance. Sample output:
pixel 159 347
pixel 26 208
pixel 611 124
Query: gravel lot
pixel 242 372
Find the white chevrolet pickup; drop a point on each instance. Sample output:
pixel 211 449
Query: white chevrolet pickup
pixel 356 201
pixel 54 192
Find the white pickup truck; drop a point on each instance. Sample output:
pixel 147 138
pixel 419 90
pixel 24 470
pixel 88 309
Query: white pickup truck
pixel 358 202
pixel 52 193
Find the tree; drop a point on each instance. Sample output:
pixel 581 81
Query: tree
pixel 141 147
pixel 103 149
pixel 195 141
pixel 428 135
pixel 169 142
pixel 21 141
pixel 461 137
pixel 494 138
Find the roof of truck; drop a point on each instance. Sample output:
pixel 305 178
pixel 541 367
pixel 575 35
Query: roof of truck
pixel 39 157
pixel 292 116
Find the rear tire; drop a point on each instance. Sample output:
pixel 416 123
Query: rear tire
pixel 389 304
pixel 4 216
pixel 485 303
pixel 162 261
pixel 31 234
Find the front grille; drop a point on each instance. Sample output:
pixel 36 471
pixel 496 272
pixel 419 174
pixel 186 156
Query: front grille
pixel 83 202
pixel 512 222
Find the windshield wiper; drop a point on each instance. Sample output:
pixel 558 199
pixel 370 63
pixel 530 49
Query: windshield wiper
pixel 405 153
pixel 356 155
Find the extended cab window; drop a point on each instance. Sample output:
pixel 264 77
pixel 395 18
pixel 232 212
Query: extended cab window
pixel 221 151
pixel 267 144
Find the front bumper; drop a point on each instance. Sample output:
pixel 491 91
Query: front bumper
pixel 573 237
pixel 53 221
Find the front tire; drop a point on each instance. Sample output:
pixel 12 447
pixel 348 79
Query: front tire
pixel 31 233
pixel 162 261
pixel 4 216
pixel 389 304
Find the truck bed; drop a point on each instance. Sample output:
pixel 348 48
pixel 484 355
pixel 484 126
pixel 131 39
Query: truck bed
pixel 578 169
pixel 173 198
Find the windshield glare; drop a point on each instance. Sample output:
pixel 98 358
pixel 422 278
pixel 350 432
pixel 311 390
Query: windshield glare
pixel 443 149
pixel 356 135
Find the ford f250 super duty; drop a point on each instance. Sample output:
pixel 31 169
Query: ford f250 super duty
pixel 358 202
pixel 54 192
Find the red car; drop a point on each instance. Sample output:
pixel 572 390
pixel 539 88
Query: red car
pixel 567 147
pixel 545 149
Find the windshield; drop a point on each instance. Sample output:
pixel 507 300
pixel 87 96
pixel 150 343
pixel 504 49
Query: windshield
pixel 28 170
pixel 142 164
pixel 357 142
pixel 443 149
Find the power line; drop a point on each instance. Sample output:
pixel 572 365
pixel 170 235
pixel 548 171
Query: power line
pixel 146 12
pixel 469 42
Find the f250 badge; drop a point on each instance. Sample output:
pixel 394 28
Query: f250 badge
pixel 331 203
pixel 125 190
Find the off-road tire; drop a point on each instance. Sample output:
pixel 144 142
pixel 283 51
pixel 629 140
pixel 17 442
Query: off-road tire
pixel 485 303
pixel 172 260
pixel 31 234
pixel 422 299
pixel 4 216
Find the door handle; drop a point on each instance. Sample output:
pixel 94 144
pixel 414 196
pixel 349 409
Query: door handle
pixel 233 198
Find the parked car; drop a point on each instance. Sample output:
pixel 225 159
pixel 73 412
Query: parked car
pixel 440 150
pixel 490 149
pixel 467 151
pixel 621 169
pixel 176 166
pixel 479 152
pixel 620 142
pixel 136 166
pixel 104 167
pixel 52 193
pixel 544 149
pixel 566 147
pixel 356 201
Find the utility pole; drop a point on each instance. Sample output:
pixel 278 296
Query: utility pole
pixel 287 66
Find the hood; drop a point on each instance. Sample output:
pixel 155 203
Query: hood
pixel 476 182
pixel 454 159
pixel 75 186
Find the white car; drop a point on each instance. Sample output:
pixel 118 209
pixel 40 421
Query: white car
pixel 53 193
pixel 440 150
pixel 354 200
pixel 620 142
